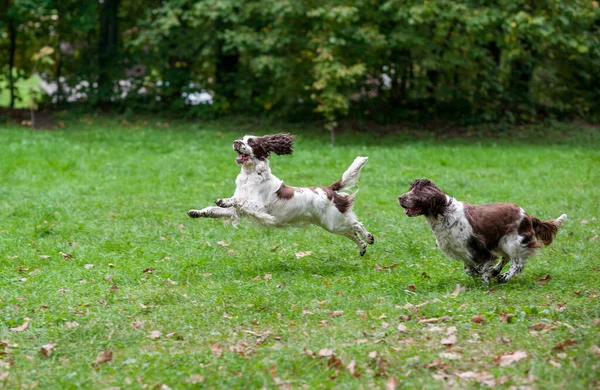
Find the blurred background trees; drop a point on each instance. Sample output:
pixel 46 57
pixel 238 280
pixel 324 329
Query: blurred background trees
pixel 468 61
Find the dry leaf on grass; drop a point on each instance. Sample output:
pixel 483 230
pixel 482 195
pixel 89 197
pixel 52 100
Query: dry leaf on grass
pixel 384 267
pixel 391 383
pixel 302 254
pixel 46 350
pixel 70 325
pixel 325 352
pixel 195 379
pixel 449 341
pixel 541 326
pixel 216 349
pixel 564 344
pixel 545 279
pixel 336 313
pixel 4 375
pixel 268 277
pixel 144 306
pixel 222 243
pixel 507 359
pixel 595 350
pixel 88 266
pixel 155 334
pixel 450 355
pixel 505 317
pixel 402 328
pixel 104 357
pixel 433 320
pixel 21 328
pixel 457 290
pixel 477 319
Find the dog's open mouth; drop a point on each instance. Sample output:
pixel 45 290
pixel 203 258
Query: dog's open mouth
pixel 412 212
pixel 242 158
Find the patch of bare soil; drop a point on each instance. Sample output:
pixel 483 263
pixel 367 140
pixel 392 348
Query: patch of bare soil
pixel 22 116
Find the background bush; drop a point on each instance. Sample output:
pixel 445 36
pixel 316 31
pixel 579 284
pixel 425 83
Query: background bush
pixel 464 61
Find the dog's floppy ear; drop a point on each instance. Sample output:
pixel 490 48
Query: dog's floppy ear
pixel 276 143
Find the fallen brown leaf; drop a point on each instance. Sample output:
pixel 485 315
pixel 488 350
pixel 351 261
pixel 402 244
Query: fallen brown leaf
pixel 457 290
pixel 155 334
pixel 46 350
pixel 216 349
pixel 195 379
pixel 477 319
pixel 336 313
pixel 595 350
pixel 449 341
pixel 433 320
pixel 222 243
pixel 450 355
pixel 20 328
pixel 402 328
pixel 545 279
pixel 384 267
pixel 144 306
pixel 302 254
pixel 507 359
pixel 66 256
pixel 505 317
pixel 268 277
pixel 70 325
pixel 325 352
pixel 564 344
pixel 391 383
pixel 104 357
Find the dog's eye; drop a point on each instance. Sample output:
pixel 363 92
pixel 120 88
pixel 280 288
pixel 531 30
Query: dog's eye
pixel 251 141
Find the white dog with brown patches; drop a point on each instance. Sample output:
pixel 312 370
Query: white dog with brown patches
pixel 479 235
pixel 263 197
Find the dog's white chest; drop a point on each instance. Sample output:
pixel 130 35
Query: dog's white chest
pixel 452 233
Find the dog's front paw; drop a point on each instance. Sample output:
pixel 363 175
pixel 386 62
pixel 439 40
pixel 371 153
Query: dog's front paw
pixel 195 213
pixel 503 278
pixel 370 239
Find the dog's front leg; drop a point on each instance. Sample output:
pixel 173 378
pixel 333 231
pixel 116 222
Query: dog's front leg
pixel 225 202
pixel 213 212
pixel 253 210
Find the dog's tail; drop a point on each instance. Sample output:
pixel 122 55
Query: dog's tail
pixel 350 177
pixel 546 230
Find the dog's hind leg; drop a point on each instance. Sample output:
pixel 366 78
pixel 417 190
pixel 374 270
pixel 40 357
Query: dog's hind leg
pixel 361 244
pixel 359 228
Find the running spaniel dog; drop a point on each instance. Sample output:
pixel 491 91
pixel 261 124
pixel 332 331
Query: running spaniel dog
pixel 264 198
pixel 479 235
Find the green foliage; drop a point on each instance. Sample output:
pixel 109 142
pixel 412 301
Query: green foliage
pixel 468 62
pixel 113 195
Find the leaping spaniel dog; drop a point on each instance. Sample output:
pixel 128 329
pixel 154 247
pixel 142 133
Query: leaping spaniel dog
pixel 262 197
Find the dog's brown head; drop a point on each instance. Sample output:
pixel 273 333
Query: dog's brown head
pixel 251 148
pixel 424 198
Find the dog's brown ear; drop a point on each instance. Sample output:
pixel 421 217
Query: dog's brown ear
pixel 276 143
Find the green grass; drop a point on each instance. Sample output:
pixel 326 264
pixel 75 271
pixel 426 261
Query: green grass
pixel 115 196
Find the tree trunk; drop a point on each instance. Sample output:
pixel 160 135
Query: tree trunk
pixel 12 36
pixel 107 49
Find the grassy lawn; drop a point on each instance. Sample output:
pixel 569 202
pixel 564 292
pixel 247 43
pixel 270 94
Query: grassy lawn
pixel 98 257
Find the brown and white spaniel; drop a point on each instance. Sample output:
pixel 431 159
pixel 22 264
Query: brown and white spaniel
pixel 479 235
pixel 264 198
